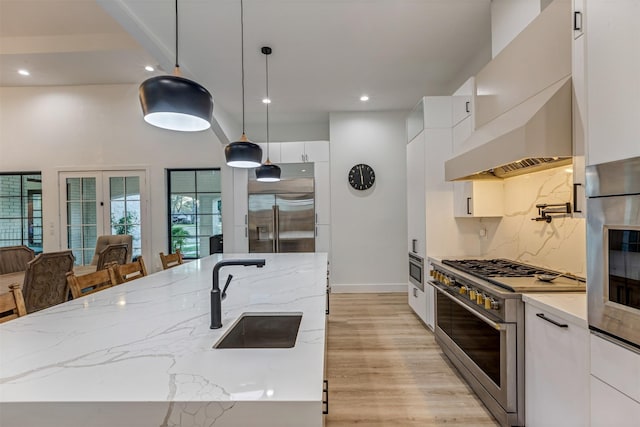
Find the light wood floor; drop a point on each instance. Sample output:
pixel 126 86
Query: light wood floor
pixel 385 369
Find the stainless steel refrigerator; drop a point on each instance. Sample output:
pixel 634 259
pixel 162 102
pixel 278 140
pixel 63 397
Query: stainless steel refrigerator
pixel 282 216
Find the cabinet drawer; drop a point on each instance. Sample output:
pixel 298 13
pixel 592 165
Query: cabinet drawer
pixel 609 407
pixel 616 365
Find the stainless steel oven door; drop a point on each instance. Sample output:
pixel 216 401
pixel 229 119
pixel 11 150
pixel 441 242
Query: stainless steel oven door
pixel 485 348
pixel 613 270
pixel 416 271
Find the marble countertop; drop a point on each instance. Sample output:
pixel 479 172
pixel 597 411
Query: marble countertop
pixel 149 341
pixel 570 306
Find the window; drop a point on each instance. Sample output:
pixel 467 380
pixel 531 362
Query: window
pixel 21 210
pixel 195 210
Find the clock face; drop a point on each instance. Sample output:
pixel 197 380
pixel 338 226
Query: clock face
pixel 361 177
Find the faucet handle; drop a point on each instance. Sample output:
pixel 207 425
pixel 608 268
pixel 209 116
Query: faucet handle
pixel 226 285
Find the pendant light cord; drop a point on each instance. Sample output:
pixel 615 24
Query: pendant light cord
pixel 177 65
pixel 266 57
pixel 242 57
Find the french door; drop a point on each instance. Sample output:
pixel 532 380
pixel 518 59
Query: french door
pixel 102 202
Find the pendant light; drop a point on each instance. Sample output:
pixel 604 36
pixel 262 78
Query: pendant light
pixel 268 172
pixel 243 153
pixel 176 103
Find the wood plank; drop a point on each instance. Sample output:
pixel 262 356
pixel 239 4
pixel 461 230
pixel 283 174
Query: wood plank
pixel 385 368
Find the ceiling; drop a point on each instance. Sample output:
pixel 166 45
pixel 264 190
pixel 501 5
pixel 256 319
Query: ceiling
pixel 326 53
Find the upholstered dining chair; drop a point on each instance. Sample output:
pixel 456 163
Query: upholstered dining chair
pixel 90 283
pixel 104 241
pixel 171 260
pixel 12 304
pixel 45 280
pixel 15 258
pixel 130 271
pixel 116 253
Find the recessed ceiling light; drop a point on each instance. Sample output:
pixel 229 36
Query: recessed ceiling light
pixel 266 101
pixel 364 98
pixel 23 72
pixel 149 68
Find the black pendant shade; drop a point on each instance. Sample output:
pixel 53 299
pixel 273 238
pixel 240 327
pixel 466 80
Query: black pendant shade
pixel 268 172
pixel 176 103
pixel 243 153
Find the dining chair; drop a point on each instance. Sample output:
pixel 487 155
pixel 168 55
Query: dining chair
pixel 45 280
pixel 103 241
pixel 171 260
pixel 90 283
pixel 130 271
pixel 115 253
pixel 15 258
pixel 12 304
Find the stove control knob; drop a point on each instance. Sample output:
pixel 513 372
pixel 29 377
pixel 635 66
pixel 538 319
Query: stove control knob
pixel 479 298
pixel 463 290
pixel 472 294
pixel 495 305
pixel 487 303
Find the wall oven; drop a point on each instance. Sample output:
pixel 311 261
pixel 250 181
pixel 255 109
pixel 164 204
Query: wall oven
pixel 613 249
pixel 416 271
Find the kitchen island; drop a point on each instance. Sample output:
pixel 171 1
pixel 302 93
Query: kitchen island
pixel 141 353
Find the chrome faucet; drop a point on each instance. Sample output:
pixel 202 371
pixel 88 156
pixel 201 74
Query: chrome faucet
pixel 216 296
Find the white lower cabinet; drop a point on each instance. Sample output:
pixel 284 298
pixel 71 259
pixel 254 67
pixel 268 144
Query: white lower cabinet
pixel 556 370
pixel 418 301
pixel 615 384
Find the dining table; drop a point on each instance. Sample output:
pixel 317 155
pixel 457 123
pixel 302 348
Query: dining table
pixel 18 276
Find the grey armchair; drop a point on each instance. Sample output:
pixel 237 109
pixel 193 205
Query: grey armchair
pixel 105 240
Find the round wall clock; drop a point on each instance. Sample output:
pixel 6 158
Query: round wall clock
pixel 362 177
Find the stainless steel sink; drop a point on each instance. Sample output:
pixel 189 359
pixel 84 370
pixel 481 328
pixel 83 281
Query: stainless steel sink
pixel 262 330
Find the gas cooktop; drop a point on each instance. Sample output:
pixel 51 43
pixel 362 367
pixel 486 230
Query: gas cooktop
pixel 516 276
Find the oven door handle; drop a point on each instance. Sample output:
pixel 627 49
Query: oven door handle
pixel 497 326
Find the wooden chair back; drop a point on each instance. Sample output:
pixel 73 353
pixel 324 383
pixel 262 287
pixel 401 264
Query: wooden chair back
pixel 15 258
pixel 45 280
pixel 103 241
pixel 116 253
pixel 90 283
pixel 131 271
pixel 12 303
pixel 171 260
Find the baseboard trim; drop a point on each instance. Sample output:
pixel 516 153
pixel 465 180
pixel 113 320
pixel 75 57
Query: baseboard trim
pixel 368 288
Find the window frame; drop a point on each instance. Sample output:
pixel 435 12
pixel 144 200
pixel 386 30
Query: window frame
pixel 26 238
pixel 196 214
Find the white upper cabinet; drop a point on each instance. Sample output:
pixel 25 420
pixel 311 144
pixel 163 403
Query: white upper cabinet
pixel 482 198
pixel 300 152
pixel 415 121
pixel 273 151
pixel 462 102
pixel 578 18
pixel 416 196
pixel 613 80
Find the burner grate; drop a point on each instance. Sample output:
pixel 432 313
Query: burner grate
pixel 485 268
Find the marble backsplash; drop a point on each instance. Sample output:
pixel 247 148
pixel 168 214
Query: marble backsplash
pixel 559 245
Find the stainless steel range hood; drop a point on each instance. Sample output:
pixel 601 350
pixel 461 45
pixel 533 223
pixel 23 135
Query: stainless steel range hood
pixel 534 135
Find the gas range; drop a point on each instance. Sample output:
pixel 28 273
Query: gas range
pixel 479 317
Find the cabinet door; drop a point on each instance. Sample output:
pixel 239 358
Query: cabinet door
pixel 292 152
pixel 578 20
pixel 461 132
pixel 556 371
pixel 416 225
pixel 478 198
pixel 240 197
pixel 323 238
pixel 240 240
pixel 609 407
pixel 316 151
pixel 417 302
pixel 462 197
pixel 273 151
pixel 323 196
pixel 613 68
pixel 579 108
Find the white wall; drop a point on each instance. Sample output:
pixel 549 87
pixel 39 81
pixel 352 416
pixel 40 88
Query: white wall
pixel 50 129
pixel 508 19
pixel 369 228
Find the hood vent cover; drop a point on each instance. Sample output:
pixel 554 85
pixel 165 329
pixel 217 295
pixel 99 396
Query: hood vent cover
pixel 532 136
